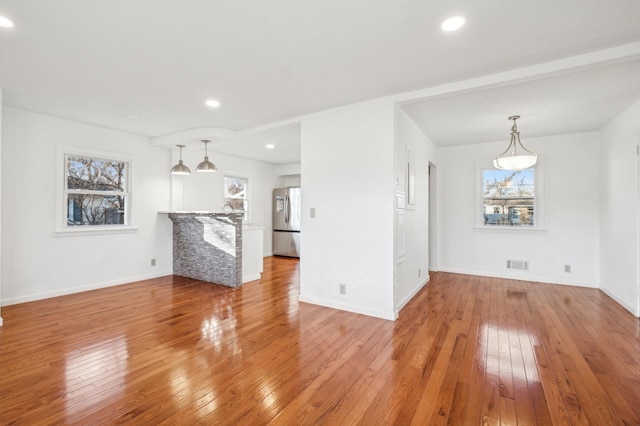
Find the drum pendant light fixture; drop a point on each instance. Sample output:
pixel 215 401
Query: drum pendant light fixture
pixel 180 168
pixel 206 165
pixel 510 159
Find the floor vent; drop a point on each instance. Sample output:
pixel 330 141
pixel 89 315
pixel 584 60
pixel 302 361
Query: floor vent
pixel 517 265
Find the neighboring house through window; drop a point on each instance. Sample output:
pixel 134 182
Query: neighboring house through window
pixel 96 191
pixel 509 197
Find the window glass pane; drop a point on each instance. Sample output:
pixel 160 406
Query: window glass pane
pixel 236 191
pixel 237 204
pixel 509 197
pixel 95 174
pixel 95 209
pixel 235 187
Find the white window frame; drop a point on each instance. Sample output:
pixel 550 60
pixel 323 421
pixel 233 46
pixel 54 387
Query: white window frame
pixel 62 228
pixel 247 217
pixel 538 204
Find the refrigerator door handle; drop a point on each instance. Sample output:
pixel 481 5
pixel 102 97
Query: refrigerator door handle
pixel 287 209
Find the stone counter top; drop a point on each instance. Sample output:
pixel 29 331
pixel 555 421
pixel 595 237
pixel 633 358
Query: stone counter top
pixel 196 212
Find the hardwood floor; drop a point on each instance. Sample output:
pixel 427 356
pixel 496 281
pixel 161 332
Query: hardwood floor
pixel 465 350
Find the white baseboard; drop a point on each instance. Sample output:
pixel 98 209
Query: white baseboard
pixel 524 276
pixel 267 254
pixel 621 302
pixel 72 290
pixel 410 296
pixel 251 278
pixel 348 307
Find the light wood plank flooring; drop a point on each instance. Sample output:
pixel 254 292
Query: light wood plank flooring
pixel 465 351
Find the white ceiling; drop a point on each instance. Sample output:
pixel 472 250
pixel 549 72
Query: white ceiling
pixel 573 102
pixel 266 61
pixel 251 144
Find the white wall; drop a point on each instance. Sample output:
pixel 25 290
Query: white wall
pixel 289 175
pixel 569 168
pixel 619 212
pixel 204 191
pixel 36 263
pixel 288 169
pixel 1 112
pixel 348 178
pixel 287 181
pixel 412 266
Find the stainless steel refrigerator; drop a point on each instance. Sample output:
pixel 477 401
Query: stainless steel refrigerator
pixel 286 222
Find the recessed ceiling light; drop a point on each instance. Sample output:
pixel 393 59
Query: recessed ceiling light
pixel 132 116
pixel 270 146
pixel 6 22
pixel 212 103
pixel 453 23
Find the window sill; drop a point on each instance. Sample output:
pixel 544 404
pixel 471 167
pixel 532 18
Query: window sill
pixel 79 232
pixel 510 229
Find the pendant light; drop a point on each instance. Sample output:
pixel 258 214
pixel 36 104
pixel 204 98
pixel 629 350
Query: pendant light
pixel 180 168
pixel 509 159
pixel 206 165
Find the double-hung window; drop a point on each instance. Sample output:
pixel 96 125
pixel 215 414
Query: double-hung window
pixel 236 194
pixel 96 191
pixel 509 197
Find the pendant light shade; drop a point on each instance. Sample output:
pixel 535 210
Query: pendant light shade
pixel 510 159
pixel 180 168
pixel 206 165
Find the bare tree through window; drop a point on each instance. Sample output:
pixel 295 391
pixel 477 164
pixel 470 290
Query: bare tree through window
pixel 96 191
pixel 236 190
pixel 508 197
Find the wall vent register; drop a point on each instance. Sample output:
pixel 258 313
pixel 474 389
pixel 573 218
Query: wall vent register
pixel 517 265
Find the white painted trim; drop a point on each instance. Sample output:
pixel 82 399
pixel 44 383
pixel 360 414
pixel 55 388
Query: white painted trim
pixel 522 276
pixel 538 202
pixel 62 151
pixel 267 254
pixel 509 229
pixel 98 230
pixel 391 316
pixel 171 139
pixel 620 301
pixel 72 290
pixel 251 278
pixel 602 57
pixel 232 174
pixel 410 296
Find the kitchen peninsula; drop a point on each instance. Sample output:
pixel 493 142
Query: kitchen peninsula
pixel 210 246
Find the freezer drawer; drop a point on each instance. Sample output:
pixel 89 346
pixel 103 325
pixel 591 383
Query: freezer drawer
pixel 286 244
